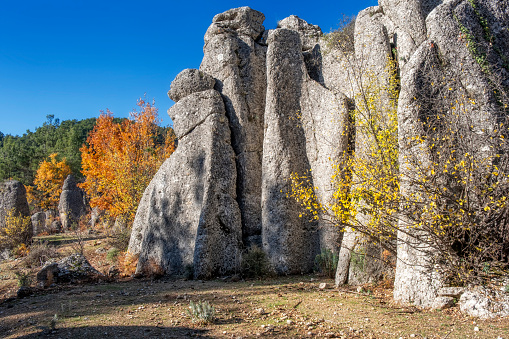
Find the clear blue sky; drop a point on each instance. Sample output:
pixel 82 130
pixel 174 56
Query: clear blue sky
pixel 73 58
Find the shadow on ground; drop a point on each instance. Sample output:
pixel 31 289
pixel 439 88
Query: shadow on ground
pixel 120 332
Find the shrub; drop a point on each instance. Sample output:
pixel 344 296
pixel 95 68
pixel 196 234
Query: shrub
pixel 342 38
pixel 201 311
pixel 15 232
pixel 24 279
pixel 21 251
pixel 127 263
pixel 39 253
pixel 326 262
pixel 255 263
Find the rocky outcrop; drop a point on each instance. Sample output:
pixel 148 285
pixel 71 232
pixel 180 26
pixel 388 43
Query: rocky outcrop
pixel 444 62
pixel 188 215
pixel 359 258
pixel 74 268
pixel 38 222
pixel 234 54
pixel 13 200
pixel 71 206
pixel 96 216
pixel 269 103
pixel 13 197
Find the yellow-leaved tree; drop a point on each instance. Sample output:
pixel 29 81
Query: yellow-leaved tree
pixel 48 183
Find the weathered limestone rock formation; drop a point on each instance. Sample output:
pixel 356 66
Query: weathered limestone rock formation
pixel 188 215
pixel 266 104
pixel 305 130
pixel 308 122
pixel 71 206
pixel 38 222
pixel 13 198
pixel 372 54
pixel 436 58
pixel 290 241
pixel 235 56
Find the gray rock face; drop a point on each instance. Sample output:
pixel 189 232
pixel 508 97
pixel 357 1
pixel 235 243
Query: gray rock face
pixel 234 56
pixel 242 20
pixel 188 215
pixel 444 58
pixel 190 81
pixel 38 222
pixel 309 34
pixel 71 206
pixel 13 198
pixel 359 260
pixel 290 242
pixel 484 303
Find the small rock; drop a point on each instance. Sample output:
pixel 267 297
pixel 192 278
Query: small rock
pixel 322 286
pixel 476 329
pixel 23 292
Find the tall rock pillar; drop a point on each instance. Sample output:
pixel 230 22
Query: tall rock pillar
pixel 289 241
pixel 234 56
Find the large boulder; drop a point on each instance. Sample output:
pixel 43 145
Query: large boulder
pixel 74 268
pixel 13 197
pixel 235 56
pixel 71 205
pixel 188 215
pixel 190 81
pixel 13 200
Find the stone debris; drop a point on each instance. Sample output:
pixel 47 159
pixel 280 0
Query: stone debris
pixel 74 268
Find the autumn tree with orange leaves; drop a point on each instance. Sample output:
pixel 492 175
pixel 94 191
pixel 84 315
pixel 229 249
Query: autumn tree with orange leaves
pixel 120 159
pixel 48 182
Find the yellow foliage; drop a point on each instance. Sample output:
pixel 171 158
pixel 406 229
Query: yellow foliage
pixel 49 180
pixel 127 263
pixel 366 182
pixel 15 232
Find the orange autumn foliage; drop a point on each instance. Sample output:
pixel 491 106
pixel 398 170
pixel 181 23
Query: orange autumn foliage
pixel 120 159
pixel 48 181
